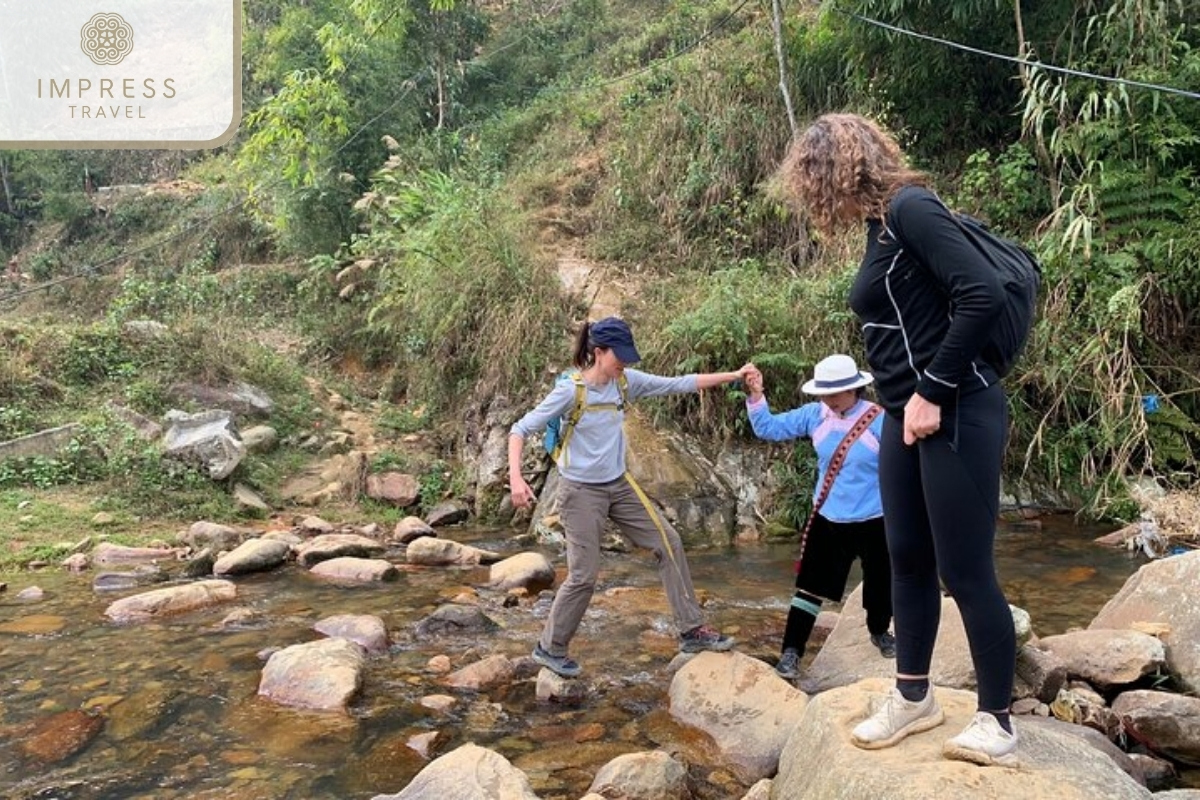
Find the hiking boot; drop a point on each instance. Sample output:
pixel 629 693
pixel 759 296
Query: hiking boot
pixel 895 719
pixel 559 665
pixel 885 642
pixel 983 742
pixel 702 638
pixel 788 667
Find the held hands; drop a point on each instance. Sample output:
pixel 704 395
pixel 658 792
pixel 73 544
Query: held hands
pixel 921 418
pixel 753 379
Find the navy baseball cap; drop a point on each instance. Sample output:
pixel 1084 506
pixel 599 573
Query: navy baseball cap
pixel 614 333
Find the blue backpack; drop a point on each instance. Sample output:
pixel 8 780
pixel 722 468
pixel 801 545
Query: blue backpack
pixel 558 431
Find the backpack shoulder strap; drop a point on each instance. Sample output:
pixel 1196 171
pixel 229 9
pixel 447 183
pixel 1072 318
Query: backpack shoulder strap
pixel 623 389
pixel 580 397
pixel 572 418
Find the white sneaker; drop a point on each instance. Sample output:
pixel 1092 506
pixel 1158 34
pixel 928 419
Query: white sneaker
pixel 897 718
pixel 983 742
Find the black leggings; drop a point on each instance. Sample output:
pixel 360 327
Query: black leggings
pixel 940 503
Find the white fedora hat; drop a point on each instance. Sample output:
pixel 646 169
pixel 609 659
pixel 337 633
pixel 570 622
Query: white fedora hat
pixel 836 373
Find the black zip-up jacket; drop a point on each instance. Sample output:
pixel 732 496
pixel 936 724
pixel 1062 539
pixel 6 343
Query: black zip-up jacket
pixel 927 301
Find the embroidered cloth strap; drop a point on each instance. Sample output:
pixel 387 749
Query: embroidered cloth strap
pixel 835 466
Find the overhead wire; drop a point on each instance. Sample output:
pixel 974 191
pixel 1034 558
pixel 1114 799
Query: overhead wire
pixel 1015 59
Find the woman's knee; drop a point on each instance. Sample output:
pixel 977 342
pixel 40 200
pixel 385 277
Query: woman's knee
pixel 582 577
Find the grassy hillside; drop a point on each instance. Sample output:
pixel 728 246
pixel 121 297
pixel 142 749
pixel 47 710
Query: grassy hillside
pixel 399 238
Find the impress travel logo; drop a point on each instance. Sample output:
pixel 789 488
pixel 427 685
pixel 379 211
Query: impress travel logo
pixel 128 74
pixel 106 38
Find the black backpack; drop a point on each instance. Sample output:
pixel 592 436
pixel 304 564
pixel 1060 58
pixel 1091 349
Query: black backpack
pixel 1021 275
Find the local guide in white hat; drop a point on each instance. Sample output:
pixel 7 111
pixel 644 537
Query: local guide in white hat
pixel 846 522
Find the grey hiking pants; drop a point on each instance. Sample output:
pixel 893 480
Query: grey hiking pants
pixel 584 507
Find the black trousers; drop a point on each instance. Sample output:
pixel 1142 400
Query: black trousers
pixel 824 567
pixel 941 499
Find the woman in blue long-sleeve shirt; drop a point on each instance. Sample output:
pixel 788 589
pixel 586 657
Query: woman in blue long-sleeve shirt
pixel 849 523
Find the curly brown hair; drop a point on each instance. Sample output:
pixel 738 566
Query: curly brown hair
pixel 843 170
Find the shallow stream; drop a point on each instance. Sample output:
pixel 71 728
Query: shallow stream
pixel 184 720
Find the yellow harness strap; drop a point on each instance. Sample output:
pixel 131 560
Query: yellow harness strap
pixel 581 407
pixel 653 517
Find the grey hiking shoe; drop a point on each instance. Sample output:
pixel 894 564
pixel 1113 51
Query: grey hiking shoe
pixel 559 665
pixel 701 638
pixel 885 642
pixel 788 667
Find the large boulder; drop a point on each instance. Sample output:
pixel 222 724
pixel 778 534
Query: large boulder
pixel 1167 723
pixel 820 761
pixel 1107 658
pixel 208 441
pixel 847 656
pixel 740 702
pixel 1163 591
pixel 323 675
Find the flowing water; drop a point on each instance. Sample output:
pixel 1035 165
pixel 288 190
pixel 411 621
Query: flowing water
pixel 182 717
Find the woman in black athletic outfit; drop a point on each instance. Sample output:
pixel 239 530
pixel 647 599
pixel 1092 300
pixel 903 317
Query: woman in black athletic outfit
pixel 927 301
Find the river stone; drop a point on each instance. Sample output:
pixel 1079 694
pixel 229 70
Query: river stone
pixel 203 533
pixel 485 674
pixel 1107 658
pixel 141 575
pixel 554 688
pixel 107 553
pixel 366 630
pixel 333 545
pixel 469 773
pixel 1167 723
pixel 254 555
pixel 452 619
pixel 642 776
pixel 34 625
pixel 451 512
pixel 1163 591
pixel 432 552
pixel 75 563
pixel 139 713
pixel 411 528
pixel 395 488
pixel 171 600
pixel 530 571
pixel 57 738
pixel 314 526
pixel 356 570
pixel 322 675
pixel 821 761
pixel 200 565
pixel 742 704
